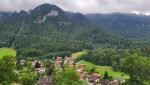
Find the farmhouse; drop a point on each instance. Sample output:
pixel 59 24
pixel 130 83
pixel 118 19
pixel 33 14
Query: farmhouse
pixel 81 72
pixel 94 78
pixel 45 81
pixel 69 61
pixel 119 79
pixel 58 62
pixel 82 66
pixel 38 66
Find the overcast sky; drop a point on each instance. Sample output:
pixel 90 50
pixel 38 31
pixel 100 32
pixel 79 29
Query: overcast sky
pixel 83 6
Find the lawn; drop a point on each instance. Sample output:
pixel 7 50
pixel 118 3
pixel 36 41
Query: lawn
pixel 7 51
pixel 79 54
pixel 101 69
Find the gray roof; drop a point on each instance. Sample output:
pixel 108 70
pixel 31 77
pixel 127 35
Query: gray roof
pixel 45 80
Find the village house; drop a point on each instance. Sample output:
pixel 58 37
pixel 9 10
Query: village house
pixel 104 82
pixel 114 82
pixel 39 68
pixel 34 62
pixel 94 78
pixel 107 82
pixel 119 79
pixel 82 66
pixel 69 61
pixel 46 80
pixel 81 71
pixel 58 62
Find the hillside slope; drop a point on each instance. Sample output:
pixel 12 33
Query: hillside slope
pixel 49 28
pixel 128 25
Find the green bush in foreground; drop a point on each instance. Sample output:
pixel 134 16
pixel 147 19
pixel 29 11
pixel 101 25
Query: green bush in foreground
pixel 7 70
pixel 67 76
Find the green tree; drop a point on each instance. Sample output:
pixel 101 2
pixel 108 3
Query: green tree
pixel 28 79
pixel 7 70
pixel 50 70
pixel 48 63
pixel 106 76
pixel 67 76
pixel 93 70
pixel 138 69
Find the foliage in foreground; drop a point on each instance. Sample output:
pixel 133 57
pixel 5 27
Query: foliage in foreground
pixel 28 79
pixel 7 70
pixel 138 68
pixel 67 76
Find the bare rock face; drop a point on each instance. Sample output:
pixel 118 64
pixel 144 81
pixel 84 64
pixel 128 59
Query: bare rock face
pixel 47 11
pixel 40 19
pixel 53 13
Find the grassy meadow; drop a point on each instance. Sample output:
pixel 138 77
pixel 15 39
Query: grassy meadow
pixel 79 54
pixel 101 69
pixel 7 51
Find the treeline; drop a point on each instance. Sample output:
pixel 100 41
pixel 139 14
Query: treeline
pixel 112 56
pixel 40 54
pixel 105 56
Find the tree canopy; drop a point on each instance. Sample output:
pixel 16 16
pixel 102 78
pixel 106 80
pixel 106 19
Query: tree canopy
pixel 138 68
pixel 8 70
pixel 67 76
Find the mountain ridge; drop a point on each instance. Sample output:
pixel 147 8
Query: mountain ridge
pixel 49 28
pixel 128 25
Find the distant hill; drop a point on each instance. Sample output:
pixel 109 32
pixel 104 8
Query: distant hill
pixel 128 25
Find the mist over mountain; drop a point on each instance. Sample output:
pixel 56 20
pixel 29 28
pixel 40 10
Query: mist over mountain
pixel 128 25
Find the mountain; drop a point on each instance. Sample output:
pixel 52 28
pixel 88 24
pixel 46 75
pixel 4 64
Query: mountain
pixel 49 28
pixel 4 14
pixel 128 25
pixel 78 17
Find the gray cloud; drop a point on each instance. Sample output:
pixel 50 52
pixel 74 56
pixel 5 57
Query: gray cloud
pixel 84 6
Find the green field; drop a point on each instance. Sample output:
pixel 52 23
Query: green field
pixel 101 69
pixel 79 54
pixel 7 51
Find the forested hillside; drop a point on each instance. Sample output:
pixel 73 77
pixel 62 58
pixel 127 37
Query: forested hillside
pixel 49 28
pixel 128 25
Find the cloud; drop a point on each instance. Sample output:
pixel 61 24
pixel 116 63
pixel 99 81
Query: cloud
pixel 84 6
